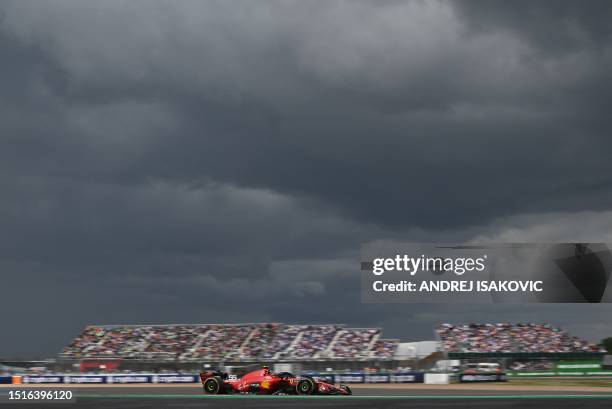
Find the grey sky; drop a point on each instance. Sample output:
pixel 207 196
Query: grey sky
pixel 223 160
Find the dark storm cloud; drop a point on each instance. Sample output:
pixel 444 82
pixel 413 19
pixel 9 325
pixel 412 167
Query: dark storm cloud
pixel 406 107
pixel 223 160
pixel 554 27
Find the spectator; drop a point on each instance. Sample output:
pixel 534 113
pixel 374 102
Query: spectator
pixel 504 337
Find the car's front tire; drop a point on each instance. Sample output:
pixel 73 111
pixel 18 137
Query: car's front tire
pixel 305 386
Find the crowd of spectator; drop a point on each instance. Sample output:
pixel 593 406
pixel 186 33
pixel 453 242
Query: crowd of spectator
pixel 311 341
pixel 90 337
pixel 384 348
pixel 169 341
pixel 134 341
pixel 219 341
pixel 229 341
pixel 505 337
pixel 279 341
pixel 284 337
pixel 355 343
pixel 259 341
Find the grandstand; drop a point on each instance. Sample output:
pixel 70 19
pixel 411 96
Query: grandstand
pixel 519 346
pixel 512 340
pixel 353 343
pixel 230 342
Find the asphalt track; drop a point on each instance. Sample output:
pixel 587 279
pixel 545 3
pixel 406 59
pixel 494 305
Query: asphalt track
pixel 176 397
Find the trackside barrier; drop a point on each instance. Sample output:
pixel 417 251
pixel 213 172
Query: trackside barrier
pixel 115 379
pixel 353 377
pixel 482 378
pixel 42 379
pixel 360 377
pixel 409 377
pixel 437 378
pixel 356 377
pixel 175 378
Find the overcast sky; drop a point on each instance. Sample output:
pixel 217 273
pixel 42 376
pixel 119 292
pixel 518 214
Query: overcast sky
pixel 222 161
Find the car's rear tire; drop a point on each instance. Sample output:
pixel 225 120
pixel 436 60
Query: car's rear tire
pixel 213 386
pixel 305 386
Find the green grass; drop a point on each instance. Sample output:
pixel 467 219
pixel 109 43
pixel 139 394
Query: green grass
pixel 562 382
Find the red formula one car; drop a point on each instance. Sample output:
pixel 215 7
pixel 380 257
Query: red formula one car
pixel 264 382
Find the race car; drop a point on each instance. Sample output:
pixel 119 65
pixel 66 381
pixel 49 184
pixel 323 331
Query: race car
pixel 264 382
